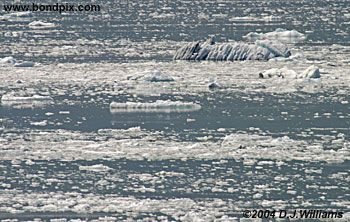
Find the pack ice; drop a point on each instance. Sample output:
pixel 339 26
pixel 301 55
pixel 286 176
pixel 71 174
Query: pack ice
pixel 209 50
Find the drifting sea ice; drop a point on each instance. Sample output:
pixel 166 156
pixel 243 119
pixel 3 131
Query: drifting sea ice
pixel 25 101
pixel 166 106
pixel 152 76
pixel 15 15
pixel 283 35
pixel 312 72
pixel 10 61
pixel 41 24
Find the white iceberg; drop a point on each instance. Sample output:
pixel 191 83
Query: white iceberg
pixel 283 35
pixel 162 106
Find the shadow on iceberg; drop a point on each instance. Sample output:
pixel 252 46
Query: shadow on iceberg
pixel 238 51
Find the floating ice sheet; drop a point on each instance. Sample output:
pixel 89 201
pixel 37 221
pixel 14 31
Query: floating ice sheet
pixel 41 25
pixel 162 106
pixel 312 72
pixel 152 76
pixel 25 101
pixel 283 35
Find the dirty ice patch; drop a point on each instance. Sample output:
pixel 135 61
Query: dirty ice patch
pixel 162 106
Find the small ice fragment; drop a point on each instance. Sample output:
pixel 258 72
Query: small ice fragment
pixel 40 24
pixel 41 123
pixel 95 168
pixel 64 112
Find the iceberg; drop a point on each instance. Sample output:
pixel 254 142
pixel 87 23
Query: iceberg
pixel 209 50
pixel 160 106
pixel 283 35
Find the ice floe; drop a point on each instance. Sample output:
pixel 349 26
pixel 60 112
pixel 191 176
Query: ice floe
pixel 166 106
pixel 283 35
pixel 95 168
pixel 10 61
pixel 16 101
pixel 209 50
pixel 41 25
pixel 312 72
pixel 152 76
pixel 15 15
